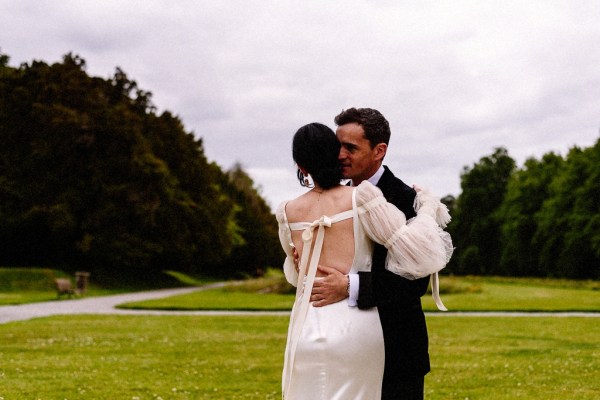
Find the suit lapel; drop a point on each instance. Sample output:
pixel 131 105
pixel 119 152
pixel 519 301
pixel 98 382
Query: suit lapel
pixel 384 182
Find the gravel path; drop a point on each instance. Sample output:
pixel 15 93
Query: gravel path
pixel 107 305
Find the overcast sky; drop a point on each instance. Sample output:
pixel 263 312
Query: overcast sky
pixel 455 79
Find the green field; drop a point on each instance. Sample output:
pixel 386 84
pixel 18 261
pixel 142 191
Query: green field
pixel 235 357
pixel 28 285
pixel 458 294
pixel 196 357
pixel 25 285
pixel 516 294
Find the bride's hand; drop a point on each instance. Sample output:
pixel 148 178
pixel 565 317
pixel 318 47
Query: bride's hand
pixel 296 259
pixel 330 289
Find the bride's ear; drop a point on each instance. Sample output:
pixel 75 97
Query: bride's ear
pixel 303 171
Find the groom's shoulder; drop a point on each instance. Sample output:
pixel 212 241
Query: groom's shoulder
pixel 397 192
pixel 395 185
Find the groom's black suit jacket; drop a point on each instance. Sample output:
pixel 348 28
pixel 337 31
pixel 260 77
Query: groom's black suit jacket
pixel 398 300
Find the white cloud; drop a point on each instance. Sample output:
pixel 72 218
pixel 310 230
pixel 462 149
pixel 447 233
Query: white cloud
pixel 454 78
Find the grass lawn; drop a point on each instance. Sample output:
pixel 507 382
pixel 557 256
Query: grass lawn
pixel 218 299
pixel 458 294
pixel 30 285
pixel 24 297
pixel 516 294
pixel 196 357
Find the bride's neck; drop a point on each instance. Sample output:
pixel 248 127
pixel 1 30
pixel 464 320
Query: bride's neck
pixel 318 189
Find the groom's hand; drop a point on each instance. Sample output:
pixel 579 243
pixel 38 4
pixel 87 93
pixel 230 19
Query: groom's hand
pixel 331 289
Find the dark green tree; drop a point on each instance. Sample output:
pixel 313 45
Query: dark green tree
pixel 528 189
pixel 476 226
pixel 255 230
pixel 4 59
pixel 92 177
pixel 568 233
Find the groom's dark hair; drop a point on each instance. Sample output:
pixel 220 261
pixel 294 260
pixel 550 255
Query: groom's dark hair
pixel 376 127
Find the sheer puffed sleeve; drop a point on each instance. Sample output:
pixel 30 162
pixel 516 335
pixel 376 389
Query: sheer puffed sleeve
pixel 415 249
pixel 285 237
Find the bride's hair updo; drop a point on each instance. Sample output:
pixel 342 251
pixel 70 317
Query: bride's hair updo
pixel 316 148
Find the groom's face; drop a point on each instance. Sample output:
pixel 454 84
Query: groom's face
pixel 358 159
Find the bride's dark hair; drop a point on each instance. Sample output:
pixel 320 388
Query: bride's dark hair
pixel 316 148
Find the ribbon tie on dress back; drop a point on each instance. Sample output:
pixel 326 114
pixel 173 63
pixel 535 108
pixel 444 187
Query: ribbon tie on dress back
pixel 324 221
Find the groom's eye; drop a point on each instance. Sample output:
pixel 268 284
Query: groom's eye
pixel 351 148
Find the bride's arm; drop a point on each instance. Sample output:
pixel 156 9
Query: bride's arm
pixel 285 238
pixel 415 249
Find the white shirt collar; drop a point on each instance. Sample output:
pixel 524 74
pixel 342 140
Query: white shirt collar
pixel 377 176
pixel 374 179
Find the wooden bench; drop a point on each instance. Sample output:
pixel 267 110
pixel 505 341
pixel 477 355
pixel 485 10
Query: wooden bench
pixel 63 286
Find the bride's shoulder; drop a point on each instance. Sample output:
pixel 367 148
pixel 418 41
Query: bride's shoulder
pixel 296 208
pixel 280 213
pixel 367 189
pixel 289 209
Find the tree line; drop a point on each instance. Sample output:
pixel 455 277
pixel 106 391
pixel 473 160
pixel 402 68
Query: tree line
pixel 93 178
pixel 539 220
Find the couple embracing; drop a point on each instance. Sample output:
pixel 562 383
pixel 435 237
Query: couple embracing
pixel 367 253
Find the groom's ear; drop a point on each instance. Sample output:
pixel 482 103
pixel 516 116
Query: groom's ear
pixel 380 150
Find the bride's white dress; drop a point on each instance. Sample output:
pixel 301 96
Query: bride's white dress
pixel 336 352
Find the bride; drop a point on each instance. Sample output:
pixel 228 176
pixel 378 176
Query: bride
pixel 336 352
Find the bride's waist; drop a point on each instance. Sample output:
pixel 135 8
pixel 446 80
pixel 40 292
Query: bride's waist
pixel 317 278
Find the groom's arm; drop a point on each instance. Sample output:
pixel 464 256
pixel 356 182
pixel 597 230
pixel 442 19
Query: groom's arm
pixel 380 286
pixel 369 290
pixel 389 288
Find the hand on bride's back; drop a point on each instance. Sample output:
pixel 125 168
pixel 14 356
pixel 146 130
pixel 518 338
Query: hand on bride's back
pixel 331 288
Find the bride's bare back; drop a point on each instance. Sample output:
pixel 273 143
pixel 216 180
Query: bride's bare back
pixel 338 244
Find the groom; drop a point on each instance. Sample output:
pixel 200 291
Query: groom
pixel 364 134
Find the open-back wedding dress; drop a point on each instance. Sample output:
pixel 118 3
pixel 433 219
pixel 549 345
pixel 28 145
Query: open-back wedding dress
pixel 336 352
